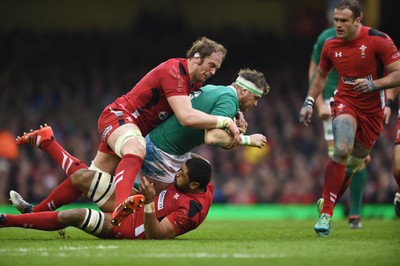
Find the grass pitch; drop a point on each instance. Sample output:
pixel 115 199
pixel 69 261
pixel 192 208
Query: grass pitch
pixel 216 242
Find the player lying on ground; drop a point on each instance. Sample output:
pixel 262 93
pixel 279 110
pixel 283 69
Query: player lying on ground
pixel 180 208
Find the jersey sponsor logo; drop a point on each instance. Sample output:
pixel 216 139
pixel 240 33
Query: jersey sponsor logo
pixel 362 49
pixel 338 54
pixel 351 80
pixel 160 204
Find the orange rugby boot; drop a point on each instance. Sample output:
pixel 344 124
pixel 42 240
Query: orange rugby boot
pixel 128 206
pixel 36 137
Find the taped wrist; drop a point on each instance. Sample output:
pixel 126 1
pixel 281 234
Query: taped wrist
pixel 149 208
pixel 223 121
pixel 309 102
pixel 371 86
pixel 245 140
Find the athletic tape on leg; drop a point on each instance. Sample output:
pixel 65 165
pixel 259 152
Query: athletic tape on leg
pixel 128 135
pixel 102 186
pixel 93 223
pixel 354 164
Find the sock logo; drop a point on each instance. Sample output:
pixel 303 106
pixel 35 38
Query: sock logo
pixel 65 166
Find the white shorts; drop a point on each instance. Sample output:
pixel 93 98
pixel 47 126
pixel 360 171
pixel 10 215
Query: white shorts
pixel 328 129
pixel 159 165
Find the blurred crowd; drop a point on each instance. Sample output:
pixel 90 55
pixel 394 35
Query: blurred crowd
pixel 65 79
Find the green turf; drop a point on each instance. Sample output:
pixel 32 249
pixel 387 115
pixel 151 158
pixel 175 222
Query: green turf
pixel 216 242
pixel 262 211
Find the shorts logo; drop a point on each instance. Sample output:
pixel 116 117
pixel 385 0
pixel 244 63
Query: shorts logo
pixel 105 132
pixel 340 107
pixel 129 119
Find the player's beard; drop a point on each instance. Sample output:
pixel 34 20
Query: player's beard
pixel 181 187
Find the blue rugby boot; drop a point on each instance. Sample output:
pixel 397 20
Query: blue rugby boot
pixel 323 225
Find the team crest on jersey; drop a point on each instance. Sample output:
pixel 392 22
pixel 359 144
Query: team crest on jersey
pixel 362 49
pixel 163 115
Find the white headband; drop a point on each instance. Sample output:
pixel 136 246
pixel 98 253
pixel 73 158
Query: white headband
pixel 248 85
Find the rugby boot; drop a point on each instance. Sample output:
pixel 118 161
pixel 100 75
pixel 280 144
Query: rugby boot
pixel 127 207
pixel 36 137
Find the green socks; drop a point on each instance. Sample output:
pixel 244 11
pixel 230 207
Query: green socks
pixel 357 186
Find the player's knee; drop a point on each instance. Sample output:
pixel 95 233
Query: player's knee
pixel 101 186
pixel 131 142
pixel 71 217
pixel 82 176
pixel 397 168
pixel 342 152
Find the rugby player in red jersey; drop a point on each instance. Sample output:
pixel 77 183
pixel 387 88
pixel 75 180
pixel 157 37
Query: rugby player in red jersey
pixel 180 208
pixel 356 53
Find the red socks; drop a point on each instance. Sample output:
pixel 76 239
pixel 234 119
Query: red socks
pixel 65 160
pixel 66 192
pixel 47 221
pixel 333 181
pixel 125 176
pixel 346 183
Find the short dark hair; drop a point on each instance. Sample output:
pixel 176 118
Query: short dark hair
pixel 255 77
pixel 353 5
pixel 199 170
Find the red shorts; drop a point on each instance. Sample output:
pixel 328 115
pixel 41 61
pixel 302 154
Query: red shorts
pixel 131 228
pixel 112 117
pixel 369 127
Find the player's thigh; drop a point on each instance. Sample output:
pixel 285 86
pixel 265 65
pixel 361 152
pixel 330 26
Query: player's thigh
pixel 397 157
pixel 106 162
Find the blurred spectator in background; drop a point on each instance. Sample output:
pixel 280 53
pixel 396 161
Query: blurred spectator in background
pixel 8 153
pixel 392 96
